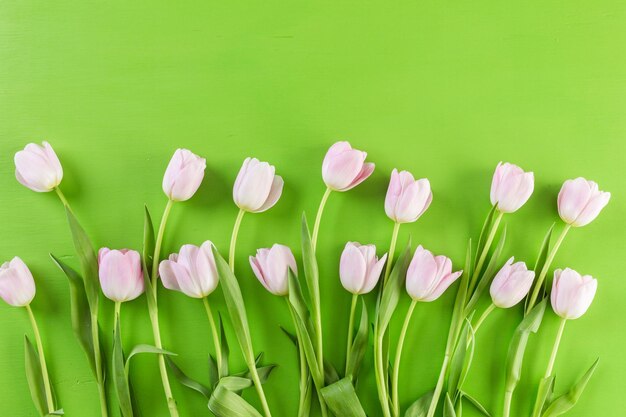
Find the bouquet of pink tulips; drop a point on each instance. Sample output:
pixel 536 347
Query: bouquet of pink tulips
pixel 122 275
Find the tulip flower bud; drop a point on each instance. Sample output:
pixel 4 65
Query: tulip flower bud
pixel 192 271
pixel 429 276
pixel 257 188
pixel 511 187
pixel 406 198
pixel 271 267
pixel 17 286
pixel 183 175
pixel 572 293
pixel 359 268
pixel 511 284
pixel 38 167
pixel 121 276
pixel 345 168
pixel 580 201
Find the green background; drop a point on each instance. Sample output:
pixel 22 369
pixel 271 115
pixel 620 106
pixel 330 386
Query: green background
pixel 443 89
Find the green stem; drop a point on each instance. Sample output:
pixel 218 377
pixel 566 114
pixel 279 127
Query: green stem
pixel 483 254
pixel 318 217
pixel 62 196
pixel 42 360
pixel 216 341
pixel 355 298
pixel 233 240
pixel 259 388
pixel 439 387
pixel 154 313
pixel 304 374
pixel 392 249
pixel 546 267
pixel 508 397
pixel 396 364
pixel 483 316
pixel 95 337
pixel 381 379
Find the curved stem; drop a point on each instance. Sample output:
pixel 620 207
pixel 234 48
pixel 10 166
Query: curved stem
pixel 392 249
pixel 396 364
pixel 555 348
pixel 355 297
pixel 42 360
pixel 546 267
pixel 439 387
pixel 483 254
pixel 233 240
pixel 216 340
pixel 318 218
pixel 483 316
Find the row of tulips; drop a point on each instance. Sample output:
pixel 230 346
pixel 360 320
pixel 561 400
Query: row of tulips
pixel 124 275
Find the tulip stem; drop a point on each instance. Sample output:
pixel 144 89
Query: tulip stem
pixel 233 240
pixel 318 217
pixel 485 251
pixel 442 375
pixel 392 249
pixel 216 340
pixel 355 298
pixel 95 337
pixel 483 316
pixel 42 360
pixel 381 378
pixel 154 313
pixel 305 381
pixel 62 196
pixel 545 268
pixel 508 397
pixel 396 364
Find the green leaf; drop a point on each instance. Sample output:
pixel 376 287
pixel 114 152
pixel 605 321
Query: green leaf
pixel 80 313
pixel 120 379
pixel 224 371
pixel 342 400
pixel 567 401
pixel 225 403
pixel 517 348
pixel 541 260
pixel 57 413
pixel 213 374
pixel 461 295
pixel 87 258
pixel 311 272
pixel 148 241
pixel 459 363
pixel 393 289
pixel 290 335
pixel 420 407
pixel 263 371
pixel 330 373
pixel 546 387
pixel 359 345
pixel 185 380
pixel 475 403
pixel 34 377
pixel 142 348
pixel 485 279
pixel 482 238
pixel 448 407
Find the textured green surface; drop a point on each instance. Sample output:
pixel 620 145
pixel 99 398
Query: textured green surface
pixel 444 89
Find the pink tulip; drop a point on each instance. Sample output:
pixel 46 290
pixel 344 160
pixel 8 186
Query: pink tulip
pixel 183 175
pixel 511 284
pixel 17 286
pixel 572 293
pixel 345 168
pixel 511 187
pixel 271 267
pixel 580 201
pixel 192 271
pixel 429 276
pixel 407 199
pixel 121 276
pixel 38 167
pixel 359 268
pixel 257 188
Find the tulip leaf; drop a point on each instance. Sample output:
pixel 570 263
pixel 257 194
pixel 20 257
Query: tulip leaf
pixel 147 252
pixel 213 374
pixel 517 347
pixel 420 407
pixel 80 313
pixel 291 336
pixel 330 373
pixel 224 402
pixel 393 289
pixel 223 367
pixel 120 378
pixel 482 238
pixel 359 345
pixel 567 401
pixel 88 260
pixel 544 392
pixel 461 360
pixel 541 260
pixel 263 371
pixel 448 407
pixel 461 295
pixel 311 272
pixel 34 376
pixel 142 348
pixel 342 400
pixel 185 380
pixel 475 403
pixel 485 278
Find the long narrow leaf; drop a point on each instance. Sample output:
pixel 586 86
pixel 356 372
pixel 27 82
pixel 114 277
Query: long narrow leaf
pixel 481 238
pixel 120 380
pixel 147 251
pixel 342 399
pixel 546 385
pixel 541 260
pixel 476 404
pixel 393 289
pixel 223 367
pixel 185 380
pixel 225 403
pixel 420 407
pixel 461 296
pixel 459 361
pixel 566 402
pixel 448 407
pixel 359 344
pixel 34 377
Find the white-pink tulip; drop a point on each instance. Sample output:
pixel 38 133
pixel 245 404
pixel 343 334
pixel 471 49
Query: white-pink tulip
pixel 17 286
pixel 429 276
pixel 345 168
pixel 407 199
pixel 572 293
pixel 192 271
pixel 257 187
pixel 38 167
pixel 511 187
pixel 580 201
pixel 271 267
pixel 183 175
pixel 121 275
pixel 511 284
pixel 359 268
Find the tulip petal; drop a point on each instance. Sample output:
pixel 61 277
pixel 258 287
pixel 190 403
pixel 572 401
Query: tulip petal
pixel 168 277
pixel 366 171
pixel 352 269
pixel 275 193
pixel 341 170
pixel 255 186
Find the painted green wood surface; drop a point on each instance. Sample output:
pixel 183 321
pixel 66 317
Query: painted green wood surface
pixel 444 89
